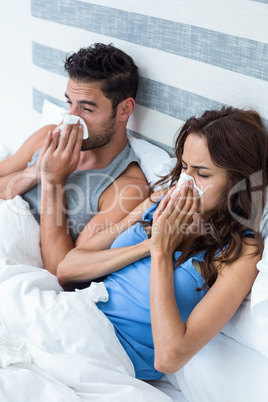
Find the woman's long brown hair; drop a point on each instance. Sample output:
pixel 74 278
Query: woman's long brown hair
pixel 237 141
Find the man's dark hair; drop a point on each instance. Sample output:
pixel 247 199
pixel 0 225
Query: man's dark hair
pixel 113 69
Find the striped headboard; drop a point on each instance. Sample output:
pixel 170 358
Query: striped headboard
pixel 192 55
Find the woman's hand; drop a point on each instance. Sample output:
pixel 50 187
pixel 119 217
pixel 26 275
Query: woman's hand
pixel 172 218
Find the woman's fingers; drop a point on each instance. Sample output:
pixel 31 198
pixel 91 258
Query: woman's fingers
pixel 163 203
pixel 186 199
pixel 183 206
pixel 185 217
pixel 180 207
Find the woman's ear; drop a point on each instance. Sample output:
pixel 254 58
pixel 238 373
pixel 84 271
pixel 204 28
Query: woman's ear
pixel 126 108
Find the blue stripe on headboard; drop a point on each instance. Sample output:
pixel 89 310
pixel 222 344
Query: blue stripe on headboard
pixel 39 97
pixel 38 100
pixel 48 58
pixel 226 51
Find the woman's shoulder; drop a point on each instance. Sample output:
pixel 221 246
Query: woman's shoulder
pixel 249 245
pixel 249 256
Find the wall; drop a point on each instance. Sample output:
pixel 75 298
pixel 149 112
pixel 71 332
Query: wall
pixel 18 119
pixel 192 56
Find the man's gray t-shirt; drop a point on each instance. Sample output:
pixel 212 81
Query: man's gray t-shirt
pixel 83 190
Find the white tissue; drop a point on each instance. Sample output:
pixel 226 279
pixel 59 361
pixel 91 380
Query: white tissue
pixel 183 178
pixel 73 119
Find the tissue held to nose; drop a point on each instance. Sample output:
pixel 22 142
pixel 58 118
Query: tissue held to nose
pixel 183 178
pixel 72 119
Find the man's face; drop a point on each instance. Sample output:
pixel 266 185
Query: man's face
pixel 87 101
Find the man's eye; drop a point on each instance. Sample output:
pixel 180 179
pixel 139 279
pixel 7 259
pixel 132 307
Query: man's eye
pixel 87 110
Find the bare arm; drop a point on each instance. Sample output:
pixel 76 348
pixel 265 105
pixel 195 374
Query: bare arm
pixel 15 177
pixel 82 265
pixel 176 342
pixel 58 163
pixel 94 258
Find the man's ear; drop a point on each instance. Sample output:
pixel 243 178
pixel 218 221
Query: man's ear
pixel 126 108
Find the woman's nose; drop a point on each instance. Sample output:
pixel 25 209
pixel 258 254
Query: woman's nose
pixel 189 171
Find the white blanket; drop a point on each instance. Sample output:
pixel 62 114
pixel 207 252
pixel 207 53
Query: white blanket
pixel 57 346
pixel 54 345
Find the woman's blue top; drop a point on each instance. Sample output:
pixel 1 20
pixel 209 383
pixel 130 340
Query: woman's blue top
pixel 128 307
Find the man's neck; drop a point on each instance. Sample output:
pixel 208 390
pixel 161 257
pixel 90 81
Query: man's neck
pixel 99 158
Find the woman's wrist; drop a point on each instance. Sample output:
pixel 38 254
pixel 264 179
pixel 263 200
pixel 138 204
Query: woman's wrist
pixel 160 254
pixel 145 247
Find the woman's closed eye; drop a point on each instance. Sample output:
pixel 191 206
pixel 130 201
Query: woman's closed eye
pixel 202 175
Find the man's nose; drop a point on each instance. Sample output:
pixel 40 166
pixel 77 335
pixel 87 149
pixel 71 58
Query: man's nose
pixel 74 110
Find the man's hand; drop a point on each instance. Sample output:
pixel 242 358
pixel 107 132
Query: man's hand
pixel 59 160
pixel 61 157
pixel 35 170
pixel 17 177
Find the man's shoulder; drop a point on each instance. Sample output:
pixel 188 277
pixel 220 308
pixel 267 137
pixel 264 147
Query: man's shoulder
pixel 35 141
pixel 133 176
pixel 133 172
pixel 37 138
pixel 23 155
pixel 131 186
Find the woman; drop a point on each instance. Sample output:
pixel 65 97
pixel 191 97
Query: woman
pixel 175 279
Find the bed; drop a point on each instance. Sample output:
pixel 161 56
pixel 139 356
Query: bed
pixel 191 57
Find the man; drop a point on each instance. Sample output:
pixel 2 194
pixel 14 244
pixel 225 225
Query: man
pixel 84 185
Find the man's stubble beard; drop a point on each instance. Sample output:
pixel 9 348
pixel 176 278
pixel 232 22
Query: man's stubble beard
pixel 101 137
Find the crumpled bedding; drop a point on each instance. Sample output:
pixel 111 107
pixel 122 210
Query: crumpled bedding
pixel 55 345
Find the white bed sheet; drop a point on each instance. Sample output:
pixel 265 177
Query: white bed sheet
pixel 55 345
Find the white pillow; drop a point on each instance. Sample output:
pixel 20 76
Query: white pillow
pixel 154 161
pixel 51 114
pixel 264 223
pixel 249 325
pixel 19 234
pixel 223 370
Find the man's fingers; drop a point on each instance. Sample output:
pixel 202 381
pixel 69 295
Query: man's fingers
pixel 55 139
pixel 75 139
pixel 46 144
pixel 64 136
pixel 69 138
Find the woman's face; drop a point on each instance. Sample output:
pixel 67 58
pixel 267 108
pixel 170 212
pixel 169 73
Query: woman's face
pixel 211 179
